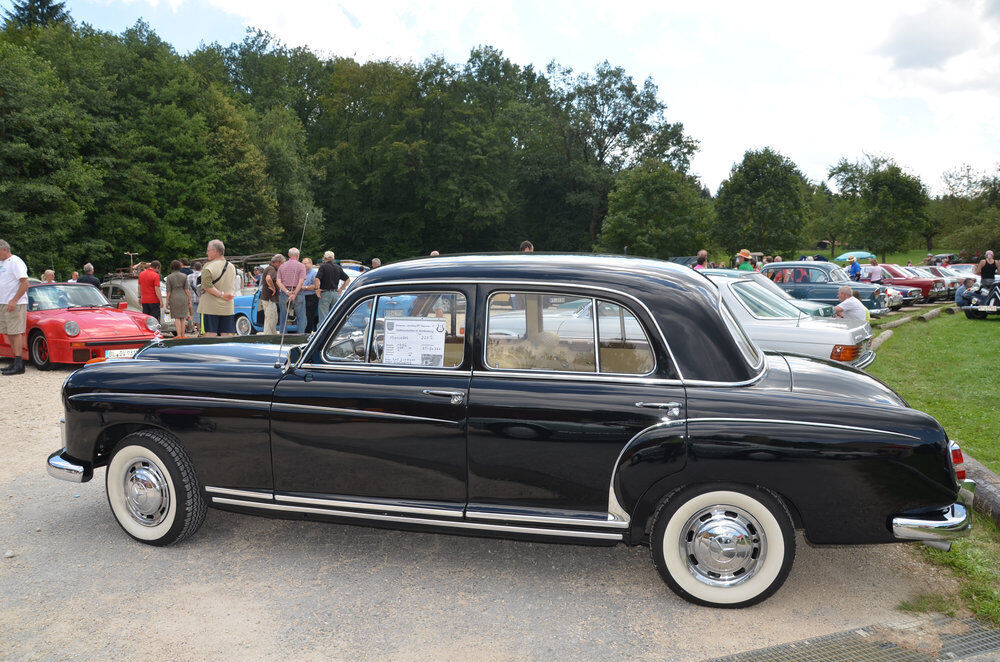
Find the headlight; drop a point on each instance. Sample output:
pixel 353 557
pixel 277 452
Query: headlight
pixel 152 324
pixel 71 328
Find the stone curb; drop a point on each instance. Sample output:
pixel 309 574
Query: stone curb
pixel 987 500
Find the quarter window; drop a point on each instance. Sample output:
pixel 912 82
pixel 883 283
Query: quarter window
pixel 558 332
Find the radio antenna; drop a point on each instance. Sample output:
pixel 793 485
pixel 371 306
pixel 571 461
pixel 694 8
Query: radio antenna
pixel 277 360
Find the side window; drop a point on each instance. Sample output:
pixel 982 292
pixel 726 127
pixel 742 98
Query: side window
pixel 114 294
pixel 623 345
pixel 349 341
pixel 425 329
pixel 817 276
pixel 540 332
pixel 780 275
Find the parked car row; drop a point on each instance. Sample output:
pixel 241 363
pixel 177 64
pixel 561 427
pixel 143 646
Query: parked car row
pixel 576 399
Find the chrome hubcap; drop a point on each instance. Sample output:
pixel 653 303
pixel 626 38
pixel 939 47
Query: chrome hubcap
pixel 723 545
pixel 242 326
pixel 147 494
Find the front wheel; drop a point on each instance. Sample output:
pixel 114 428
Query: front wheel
pixel 152 489
pixel 723 546
pixel 38 351
pixel 243 326
pixel 976 315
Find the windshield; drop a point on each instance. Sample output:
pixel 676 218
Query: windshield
pixel 763 303
pixel 52 297
pixel 769 285
pixel 838 275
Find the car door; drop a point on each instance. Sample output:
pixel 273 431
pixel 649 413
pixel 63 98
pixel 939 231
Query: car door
pixel 549 417
pixel 377 411
pixel 819 287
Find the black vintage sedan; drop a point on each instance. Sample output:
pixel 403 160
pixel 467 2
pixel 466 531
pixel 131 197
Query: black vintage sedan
pixel 483 395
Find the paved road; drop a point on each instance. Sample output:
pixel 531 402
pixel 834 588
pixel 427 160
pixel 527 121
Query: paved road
pixel 78 588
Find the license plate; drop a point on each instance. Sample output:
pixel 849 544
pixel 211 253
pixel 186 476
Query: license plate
pixel 120 353
pixel 987 309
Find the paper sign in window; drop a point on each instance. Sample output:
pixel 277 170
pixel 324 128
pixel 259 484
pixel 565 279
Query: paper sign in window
pixel 414 341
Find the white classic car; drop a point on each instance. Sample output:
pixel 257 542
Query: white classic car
pixel 774 324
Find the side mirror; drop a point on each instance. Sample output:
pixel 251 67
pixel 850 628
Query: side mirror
pixel 294 354
pixel 122 305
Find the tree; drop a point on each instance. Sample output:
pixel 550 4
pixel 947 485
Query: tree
pixel 36 13
pixel 895 205
pixel 760 205
pixel 656 211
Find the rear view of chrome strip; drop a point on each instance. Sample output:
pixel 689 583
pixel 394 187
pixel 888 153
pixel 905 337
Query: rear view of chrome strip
pixel 607 523
pixel 253 494
pixel 451 524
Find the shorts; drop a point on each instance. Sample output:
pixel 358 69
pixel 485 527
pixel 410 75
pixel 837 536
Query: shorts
pixel 219 323
pixel 13 323
pixel 151 309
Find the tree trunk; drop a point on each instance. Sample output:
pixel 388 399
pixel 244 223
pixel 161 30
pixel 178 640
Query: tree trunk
pixel 930 243
pixel 833 247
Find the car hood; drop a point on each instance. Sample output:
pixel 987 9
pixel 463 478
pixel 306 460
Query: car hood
pixel 99 322
pixel 249 349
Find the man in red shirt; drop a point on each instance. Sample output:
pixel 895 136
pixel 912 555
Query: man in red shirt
pixel 149 290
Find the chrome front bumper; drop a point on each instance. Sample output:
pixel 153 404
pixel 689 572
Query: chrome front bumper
pixel 864 360
pixel 955 522
pixel 879 312
pixel 61 467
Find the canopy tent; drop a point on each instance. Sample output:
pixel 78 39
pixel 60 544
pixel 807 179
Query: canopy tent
pixel 858 255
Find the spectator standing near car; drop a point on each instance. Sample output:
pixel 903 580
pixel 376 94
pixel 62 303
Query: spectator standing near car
pixel 743 260
pixel 329 277
pixel 13 305
pixel 309 286
pixel 149 290
pixel 376 263
pixel 88 276
pixel 527 247
pixel 849 306
pixel 873 272
pixel 186 267
pixel 218 287
pixel 987 269
pixel 963 296
pixel 269 294
pixel 291 276
pixel 74 277
pixel 853 269
pixel 178 298
pixel 48 277
pixel 194 281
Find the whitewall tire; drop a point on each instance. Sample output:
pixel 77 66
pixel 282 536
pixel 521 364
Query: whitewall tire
pixel 723 545
pixel 152 489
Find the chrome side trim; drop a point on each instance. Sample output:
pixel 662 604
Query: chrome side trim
pixel 101 397
pixel 957 521
pixel 289 407
pixel 560 533
pixel 614 506
pixel 580 376
pixel 372 367
pixel 806 423
pixel 253 494
pixel 610 522
pixel 372 505
pixel 59 467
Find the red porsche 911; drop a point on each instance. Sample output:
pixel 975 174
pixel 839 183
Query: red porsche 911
pixel 74 323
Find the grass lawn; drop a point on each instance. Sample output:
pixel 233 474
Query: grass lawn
pixel 950 368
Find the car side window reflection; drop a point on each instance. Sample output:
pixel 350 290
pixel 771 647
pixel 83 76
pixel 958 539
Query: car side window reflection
pixel 350 340
pixel 424 329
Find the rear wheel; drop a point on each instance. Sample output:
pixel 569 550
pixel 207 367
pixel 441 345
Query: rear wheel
pixel 976 315
pixel 243 326
pixel 152 489
pixel 723 545
pixel 38 351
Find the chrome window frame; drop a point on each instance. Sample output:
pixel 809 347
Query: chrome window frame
pixel 680 380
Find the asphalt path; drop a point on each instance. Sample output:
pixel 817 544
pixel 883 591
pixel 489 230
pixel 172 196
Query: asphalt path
pixel 76 587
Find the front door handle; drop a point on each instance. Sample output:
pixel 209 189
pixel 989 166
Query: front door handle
pixel 457 397
pixel 673 408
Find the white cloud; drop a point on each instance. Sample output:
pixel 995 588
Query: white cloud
pixel 917 80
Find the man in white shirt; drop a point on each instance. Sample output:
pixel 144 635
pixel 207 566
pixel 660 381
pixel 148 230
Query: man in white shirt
pixel 13 305
pixel 849 306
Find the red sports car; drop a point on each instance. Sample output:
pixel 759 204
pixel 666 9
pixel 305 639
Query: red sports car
pixel 930 288
pixel 73 323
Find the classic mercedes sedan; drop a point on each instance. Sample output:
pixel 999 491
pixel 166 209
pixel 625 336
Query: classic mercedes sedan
pixel 482 395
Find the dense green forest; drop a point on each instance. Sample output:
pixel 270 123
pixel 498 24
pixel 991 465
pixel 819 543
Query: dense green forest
pixel 115 142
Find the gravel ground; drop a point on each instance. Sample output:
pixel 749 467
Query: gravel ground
pixel 78 588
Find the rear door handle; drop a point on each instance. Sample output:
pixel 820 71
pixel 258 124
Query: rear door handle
pixel 457 397
pixel 673 408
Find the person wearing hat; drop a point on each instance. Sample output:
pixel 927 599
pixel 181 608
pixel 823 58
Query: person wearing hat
pixel 743 260
pixel 853 268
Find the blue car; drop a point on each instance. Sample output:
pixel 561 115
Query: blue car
pixel 250 320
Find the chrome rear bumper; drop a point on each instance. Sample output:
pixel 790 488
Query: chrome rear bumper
pixel 954 522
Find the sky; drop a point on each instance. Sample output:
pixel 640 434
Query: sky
pixel 917 81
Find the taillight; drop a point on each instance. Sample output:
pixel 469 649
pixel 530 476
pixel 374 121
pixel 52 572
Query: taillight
pixel 845 352
pixel 957 461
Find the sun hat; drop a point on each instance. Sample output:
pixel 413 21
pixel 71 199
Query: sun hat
pixel 745 253
pixel 850 258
